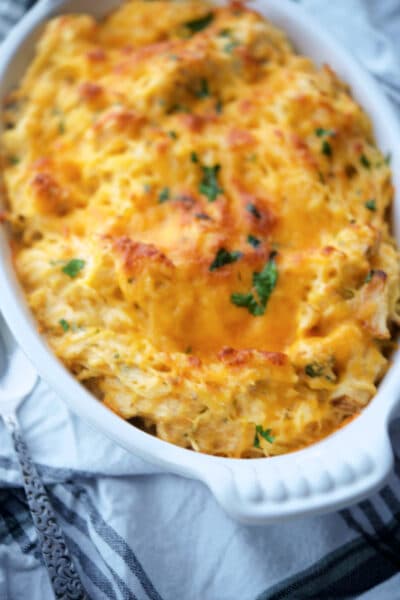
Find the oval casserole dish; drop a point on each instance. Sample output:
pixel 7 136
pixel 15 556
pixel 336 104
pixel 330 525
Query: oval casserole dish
pixel 337 471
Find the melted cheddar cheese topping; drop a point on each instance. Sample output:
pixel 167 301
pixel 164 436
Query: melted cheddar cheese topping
pixel 199 220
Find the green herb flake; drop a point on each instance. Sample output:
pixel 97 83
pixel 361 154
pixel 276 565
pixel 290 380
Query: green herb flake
pixel 225 33
pixel 388 158
pixel 224 257
pixel 326 148
pixel 230 46
pixel 365 162
pixel 64 325
pixel 164 195
pixel 314 370
pixel 264 283
pixel 253 241
pixel 13 160
pixel 203 90
pixel 173 135
pixel 321 132
pixel 194 158
pixel 253 210
pixel 265 434
pixel 188 350
pixel 218 107
pixel 197 25
pixel 73 267
pixel 247 301
pixel 369 276
pixel 371 205
pixel 61 127
pixel 209 186
pixel 178 108
pixel 147 188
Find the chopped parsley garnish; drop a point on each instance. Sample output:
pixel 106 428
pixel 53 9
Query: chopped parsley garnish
pixel 365 162
pixel 73 267
pixel 61 127
pixel 163 196
pixel 203 90
pixel 265 434
pixel 188 350
pixel 314 370
pixel 64 324
pixel 224 257
pixel 230 46
pixel 253 241
pixel 231 43
pixel 218 107
pixel 371 205
pixel 264 283
pixel 178 108
pixel 317 370
pixel 388 158
pixel 13 160
pixel 321 132
pixel 194 158
pixel 209 184
pixel 252 209
pixel 369 276
pixel 247 301
pixel 173 135
pixel 197 25
pixel 326 148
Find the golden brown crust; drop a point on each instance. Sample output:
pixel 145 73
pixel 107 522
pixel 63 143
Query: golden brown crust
pixel 200 225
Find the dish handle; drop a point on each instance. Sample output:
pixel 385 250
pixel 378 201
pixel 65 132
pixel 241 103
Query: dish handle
pixel 339 471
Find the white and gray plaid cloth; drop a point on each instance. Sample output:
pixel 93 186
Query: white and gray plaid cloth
pixel 140 534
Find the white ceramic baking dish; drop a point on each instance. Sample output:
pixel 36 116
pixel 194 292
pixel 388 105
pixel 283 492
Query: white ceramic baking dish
pixel 334 473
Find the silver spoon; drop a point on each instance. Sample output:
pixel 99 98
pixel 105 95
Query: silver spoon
pixel 17 380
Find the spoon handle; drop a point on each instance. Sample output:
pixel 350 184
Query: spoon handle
pixel 57 558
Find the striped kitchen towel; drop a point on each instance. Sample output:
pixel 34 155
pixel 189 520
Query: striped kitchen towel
pixel 10 12
pixel 138 533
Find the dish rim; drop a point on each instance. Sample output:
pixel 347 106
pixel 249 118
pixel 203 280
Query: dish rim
pixel 335 472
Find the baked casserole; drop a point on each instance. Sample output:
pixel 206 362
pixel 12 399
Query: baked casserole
pixel 200 223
